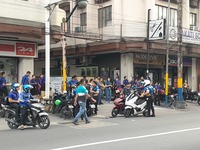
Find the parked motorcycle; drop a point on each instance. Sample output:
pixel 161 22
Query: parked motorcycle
pixel 38 117
pixel 62 105
pixel 119 106
pixel 191 95
pixel 135 105
pixel 90 105
pixel 3 102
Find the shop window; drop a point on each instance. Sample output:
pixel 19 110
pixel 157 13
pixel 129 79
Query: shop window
pixel 9 65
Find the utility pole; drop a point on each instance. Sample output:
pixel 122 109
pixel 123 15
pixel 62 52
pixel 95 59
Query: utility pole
pixel 148 21
pixel 167 55
pixel 180 103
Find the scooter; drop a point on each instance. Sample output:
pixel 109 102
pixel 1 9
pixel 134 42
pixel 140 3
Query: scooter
pixel 37 117
pixel 119 106
pixel 90 105
pixel 135 105
pixel 3 102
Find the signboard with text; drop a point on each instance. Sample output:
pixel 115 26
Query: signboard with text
pixel 188 36
pixel 18 49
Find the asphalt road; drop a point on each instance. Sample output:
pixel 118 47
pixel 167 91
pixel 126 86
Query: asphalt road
pixel 169 130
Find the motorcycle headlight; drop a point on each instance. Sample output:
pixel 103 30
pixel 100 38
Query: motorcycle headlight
pixel 198 94
pixel 172 96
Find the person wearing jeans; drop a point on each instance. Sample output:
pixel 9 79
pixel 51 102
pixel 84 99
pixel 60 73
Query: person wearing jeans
pixel 81 97
pixel 108 86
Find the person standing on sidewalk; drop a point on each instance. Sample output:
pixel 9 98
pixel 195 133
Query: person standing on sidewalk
pixel 108 90
pixel 26 78
pixel 148 94
pixel 101 90
pixel 80 98
pixel 3 84
pixel 95 93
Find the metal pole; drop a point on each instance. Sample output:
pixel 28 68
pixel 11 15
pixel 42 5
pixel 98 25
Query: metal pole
pixel 167 56
pixel 47 50
pixel 149 10
pixel 64 64
pixel 180 103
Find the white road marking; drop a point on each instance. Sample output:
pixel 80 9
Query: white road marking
pixel 125 139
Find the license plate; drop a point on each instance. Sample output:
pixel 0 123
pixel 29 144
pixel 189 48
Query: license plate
pixel 92 106
pixel 70 106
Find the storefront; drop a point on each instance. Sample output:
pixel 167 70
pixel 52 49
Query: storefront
pixel 156 66
pixel 16 58
pixel 173 63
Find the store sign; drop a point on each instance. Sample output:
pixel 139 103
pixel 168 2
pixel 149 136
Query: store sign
pixel 7 48
pixel 25 49
pixel 18 49
pixel 173 61
pixel 153 59
pixel 188 36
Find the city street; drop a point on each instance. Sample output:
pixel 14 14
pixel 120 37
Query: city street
pixel 170 130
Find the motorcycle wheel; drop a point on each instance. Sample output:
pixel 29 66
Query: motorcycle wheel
pixel 2 112
pixel 198 101
pixel 89 112
pixel 43 122
pixel 127 113
pixel 145 113
pixel 10 124
pixel 66 112
pixel 115 112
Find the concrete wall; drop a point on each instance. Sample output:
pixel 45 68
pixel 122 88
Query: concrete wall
pixel 25 64
pixel 32 10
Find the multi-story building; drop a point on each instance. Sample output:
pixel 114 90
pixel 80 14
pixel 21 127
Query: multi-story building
pixel 22 30
pixel 110 36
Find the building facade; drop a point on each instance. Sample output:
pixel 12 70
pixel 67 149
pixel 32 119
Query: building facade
pixel 110 36
pixel 22 30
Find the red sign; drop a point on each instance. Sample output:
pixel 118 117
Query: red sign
pixel 25 49
pixel 7 48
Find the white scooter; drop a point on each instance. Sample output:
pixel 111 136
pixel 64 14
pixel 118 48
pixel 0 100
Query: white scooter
pixel 135 105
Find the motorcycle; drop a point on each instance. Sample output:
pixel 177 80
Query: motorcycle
pixel 198 101
pixel 135 105
pixel 119 106
pixel 3 102
pixel 172 100
pixel 37 117
pixel 65 107
pixel 90 107
pixel 192 95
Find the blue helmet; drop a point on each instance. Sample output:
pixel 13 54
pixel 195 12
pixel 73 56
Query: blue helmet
pixel 26 88
pixel 15 85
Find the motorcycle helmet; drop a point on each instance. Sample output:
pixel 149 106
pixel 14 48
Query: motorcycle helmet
pixel 146 82
pixel 15 86
pixel 26 88
pixel 57 102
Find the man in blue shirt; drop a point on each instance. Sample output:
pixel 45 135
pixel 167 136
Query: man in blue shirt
pixel 24 103
pixel 80 98
pixel 148 94
pixel 3 84
pixel 13 99
pixel 25 78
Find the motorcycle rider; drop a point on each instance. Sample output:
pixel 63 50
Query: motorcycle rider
pixel 127 89
pixel 148 94
pixel 24 103
pixel 13 99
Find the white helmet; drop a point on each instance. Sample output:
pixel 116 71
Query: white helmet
pixel 146 82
